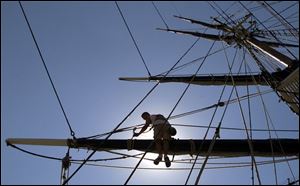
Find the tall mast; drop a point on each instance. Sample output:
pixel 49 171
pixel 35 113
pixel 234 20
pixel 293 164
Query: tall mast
pixel 285 82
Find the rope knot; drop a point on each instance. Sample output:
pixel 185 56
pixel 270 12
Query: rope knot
pixel 66 163
pixel 217 132
pixel 221 104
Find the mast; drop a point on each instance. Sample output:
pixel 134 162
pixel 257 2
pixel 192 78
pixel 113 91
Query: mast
pixel 285 82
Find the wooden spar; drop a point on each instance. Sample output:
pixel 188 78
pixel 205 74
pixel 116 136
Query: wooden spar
pixel 223 27
pixel 283 59
pixel 287 83
pixel 239 80
pixel 203 80
pixel 36 141
pixel 222 147
pixel 263 46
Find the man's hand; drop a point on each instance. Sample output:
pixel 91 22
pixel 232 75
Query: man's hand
pixel 136 134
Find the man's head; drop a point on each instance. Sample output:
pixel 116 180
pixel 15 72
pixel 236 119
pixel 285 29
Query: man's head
pixel 145 115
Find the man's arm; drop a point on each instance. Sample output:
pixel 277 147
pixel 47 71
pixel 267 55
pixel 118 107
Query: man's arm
pixel 143 128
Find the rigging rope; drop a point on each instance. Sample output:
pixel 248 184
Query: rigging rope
pixel 209 126
pixel 264 108
pixel 281 147
pixel 48 74
pixel 188 161
pixel 181 168
pixel 219 125
pixel 135 44
pixel 196 111
pixel 72 132
pixel 281 19
pixel 255 8
pixel 112 132
pixel 34 154
pixel 174 6
pixel 274 128
pixel 73 160
pixel 270 136
pixel 129 112
pixel 220 103
pixel 220 15
pixel 244 121
pixel 160 15
pixel 249 114
pixel 185 125
pixel 224 12
pixel 292 5
pixel 267 29
pixel 171 111
pixel 193 61
pixel 124 156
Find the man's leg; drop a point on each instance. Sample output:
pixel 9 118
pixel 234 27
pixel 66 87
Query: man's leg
pixel 159 148
pixel 166 150
pixel 166 140
pixel 165 147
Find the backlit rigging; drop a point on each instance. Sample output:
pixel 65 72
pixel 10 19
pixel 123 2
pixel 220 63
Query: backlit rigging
pixel 292 31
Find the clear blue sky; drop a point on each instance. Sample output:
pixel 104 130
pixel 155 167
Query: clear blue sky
pixel 87 47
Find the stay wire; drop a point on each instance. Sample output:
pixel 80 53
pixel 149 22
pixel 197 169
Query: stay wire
pixel 191 62
pixel 220 15
pixel 269 131
pixel 112 132
pixel 221 103
pixel 191 169
pixel 294 15
pixel 73 160
pixel 241 164
pixel 32 153
pixel 130 113
pixel 244 121
pixel 282 150
pixel 224 12
pixel 167 117
pixel 48 74
pixel 282 20
pixel 174 6
pixel 189 125
pixel 249 114
pixel 273 128
pixel 135 44
pixel 236 165
pixel 219 125
pixel 160 14
pixel 272 17
pixel 184 161
pixel 123 156
pixel 209 126
pixel 188 161
pixel 46 68
pixel 267 29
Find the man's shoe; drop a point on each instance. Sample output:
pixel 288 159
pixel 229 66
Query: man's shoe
pixel 157 160
pixel 167 161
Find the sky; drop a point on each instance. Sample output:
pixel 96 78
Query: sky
pixel 86 48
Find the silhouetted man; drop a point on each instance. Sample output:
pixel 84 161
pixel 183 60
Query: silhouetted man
pixel 161 135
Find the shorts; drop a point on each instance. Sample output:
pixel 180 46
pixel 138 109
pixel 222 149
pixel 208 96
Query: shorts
pixel 161 130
